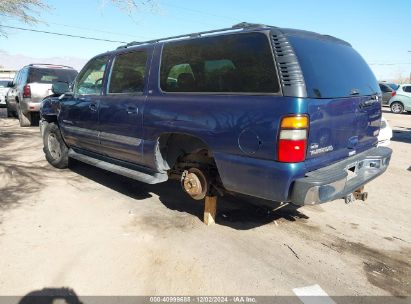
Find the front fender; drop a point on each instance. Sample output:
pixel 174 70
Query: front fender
pixel 49 108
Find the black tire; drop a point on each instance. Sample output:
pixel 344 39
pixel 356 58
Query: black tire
pixel 397 107
pixel 9 113
pixel 55 148
pixel 25 120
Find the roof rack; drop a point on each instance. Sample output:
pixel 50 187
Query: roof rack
pixel 50 64
pixel 239 26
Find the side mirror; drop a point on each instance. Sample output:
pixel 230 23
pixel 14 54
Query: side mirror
pixel 60 88
pixel 10 84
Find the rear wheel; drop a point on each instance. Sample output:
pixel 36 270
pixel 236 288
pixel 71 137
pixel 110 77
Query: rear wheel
pixel 24 119
pixel 55 148
pixel 397 107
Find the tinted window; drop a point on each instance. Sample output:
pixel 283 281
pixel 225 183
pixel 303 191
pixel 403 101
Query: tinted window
pixel 3 83
pixel 127 74
pixel 241 63
pixel 90 79
pixel 42 75
pixel 407 89
pixel 332 69
pixel 385 88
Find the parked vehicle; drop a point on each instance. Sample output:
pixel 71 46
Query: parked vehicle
pixel 3 92
pixel 402 100
pixel 31 84
pixel 384 138
pixel 387 92
pixel 279 114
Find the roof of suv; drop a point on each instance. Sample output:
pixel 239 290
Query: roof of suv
pixel 49 66
pixel 239 28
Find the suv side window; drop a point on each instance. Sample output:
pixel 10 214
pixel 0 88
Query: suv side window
pixel 23 75
pixel 90 79
pixel 128 73
pixel 19 76
pixel 238 63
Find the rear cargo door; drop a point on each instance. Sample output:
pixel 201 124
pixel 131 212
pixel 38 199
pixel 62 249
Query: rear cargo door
pixel 344 99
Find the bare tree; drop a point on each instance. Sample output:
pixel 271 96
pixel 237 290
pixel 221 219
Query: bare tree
pixel 29 11
pixel 131 6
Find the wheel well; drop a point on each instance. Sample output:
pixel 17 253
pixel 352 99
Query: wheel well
pixel 397 101
pixel 50 118
pixel 172 147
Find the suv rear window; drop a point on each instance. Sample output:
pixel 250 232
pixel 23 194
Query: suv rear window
pixel 332 69
pixel 241 63
pixel 51 75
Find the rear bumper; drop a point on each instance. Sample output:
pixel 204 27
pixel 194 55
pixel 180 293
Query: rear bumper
pixel 342 178
pixel 28 105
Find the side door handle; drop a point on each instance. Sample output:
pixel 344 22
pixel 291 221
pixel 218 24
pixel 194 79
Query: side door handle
pixel 92 107
pixel 132 110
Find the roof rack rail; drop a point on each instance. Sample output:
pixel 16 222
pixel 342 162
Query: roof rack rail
pixel 239 26
pixel 50 64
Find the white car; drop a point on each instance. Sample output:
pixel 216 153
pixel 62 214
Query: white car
pixel 384 138
pixel 3 92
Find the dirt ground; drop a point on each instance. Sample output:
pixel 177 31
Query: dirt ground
pixel 101 234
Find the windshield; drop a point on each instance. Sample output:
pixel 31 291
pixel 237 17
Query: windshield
pixel 51 75
pixel 332 69
pixel 3 83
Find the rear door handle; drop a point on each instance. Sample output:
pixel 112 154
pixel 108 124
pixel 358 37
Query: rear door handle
pixel 132 110
pixel 92 107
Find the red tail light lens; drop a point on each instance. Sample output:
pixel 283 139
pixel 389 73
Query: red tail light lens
pixel 26 91
pixel 292 143
pixel 393 93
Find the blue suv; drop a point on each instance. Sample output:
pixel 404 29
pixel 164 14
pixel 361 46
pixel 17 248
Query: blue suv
pixel 280 114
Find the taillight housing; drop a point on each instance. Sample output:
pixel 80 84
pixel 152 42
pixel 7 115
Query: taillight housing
pixel 26 91
pixel 393 93
pixel 292 138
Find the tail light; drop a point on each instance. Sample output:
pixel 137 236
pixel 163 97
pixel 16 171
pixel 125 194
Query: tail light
pixel 292 142
pixel 26 91
pixel 393 93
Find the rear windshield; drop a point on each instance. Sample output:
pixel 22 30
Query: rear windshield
pixel 51 75
pixel 333 69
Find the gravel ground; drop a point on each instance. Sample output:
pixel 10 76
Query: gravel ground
pixel 101 234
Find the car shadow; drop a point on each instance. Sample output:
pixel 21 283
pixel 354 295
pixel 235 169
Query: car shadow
pixel 402 135
pixel 237 212
pixel 50 296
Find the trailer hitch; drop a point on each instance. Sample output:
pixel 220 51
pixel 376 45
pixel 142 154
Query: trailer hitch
pixel 358 194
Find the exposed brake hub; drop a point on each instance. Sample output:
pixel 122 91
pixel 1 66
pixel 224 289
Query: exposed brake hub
pixel 195 183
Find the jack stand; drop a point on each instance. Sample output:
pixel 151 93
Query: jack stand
pixel 210 209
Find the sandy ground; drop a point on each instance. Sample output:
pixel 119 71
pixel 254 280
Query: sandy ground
pixel 101 234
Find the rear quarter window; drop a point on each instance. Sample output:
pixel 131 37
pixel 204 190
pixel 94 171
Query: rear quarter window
pixel 407 89
pixel 240 63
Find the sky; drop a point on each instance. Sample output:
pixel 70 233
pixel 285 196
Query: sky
pixel 378 30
